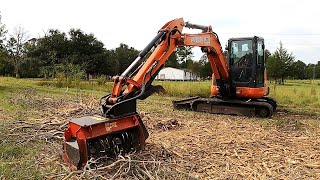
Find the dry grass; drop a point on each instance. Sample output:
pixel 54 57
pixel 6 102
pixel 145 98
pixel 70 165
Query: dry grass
pixel 182 145
pixel 225 147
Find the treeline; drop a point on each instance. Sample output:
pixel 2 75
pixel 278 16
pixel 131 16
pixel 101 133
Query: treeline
pixel 282 65
pixel 75 53
pixel 81 55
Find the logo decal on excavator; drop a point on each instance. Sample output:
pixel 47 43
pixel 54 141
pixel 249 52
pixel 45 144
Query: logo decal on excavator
pixel 205 40
pixel 109 126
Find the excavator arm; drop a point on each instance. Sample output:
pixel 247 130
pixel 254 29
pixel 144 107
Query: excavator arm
pixel 135 82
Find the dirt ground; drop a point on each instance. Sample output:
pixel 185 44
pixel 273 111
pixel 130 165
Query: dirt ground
pixel 181 145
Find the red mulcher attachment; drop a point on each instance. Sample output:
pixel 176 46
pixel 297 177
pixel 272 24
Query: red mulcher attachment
pixel 98 136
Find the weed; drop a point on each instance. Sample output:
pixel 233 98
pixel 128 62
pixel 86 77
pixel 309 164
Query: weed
pixel 313 91
pixel 101 80
pixel 9 151
pixel 294 90
pixel 283 124
pixel 289 124
pixel 60 80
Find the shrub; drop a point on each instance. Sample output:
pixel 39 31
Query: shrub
pixel 60 79
pixel 101 80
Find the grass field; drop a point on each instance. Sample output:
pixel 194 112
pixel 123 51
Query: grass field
pixel 303 95
pixel 182 145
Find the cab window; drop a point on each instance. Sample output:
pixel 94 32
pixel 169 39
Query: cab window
pixel 241 53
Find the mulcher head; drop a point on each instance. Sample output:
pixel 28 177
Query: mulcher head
pixel 97 136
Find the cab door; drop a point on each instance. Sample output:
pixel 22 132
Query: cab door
pixel 260 63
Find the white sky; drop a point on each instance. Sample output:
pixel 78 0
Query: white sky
pixel 135 23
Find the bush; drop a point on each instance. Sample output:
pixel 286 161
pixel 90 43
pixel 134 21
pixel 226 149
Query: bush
pixel 60 80
pixel 68 75
pixel 101 80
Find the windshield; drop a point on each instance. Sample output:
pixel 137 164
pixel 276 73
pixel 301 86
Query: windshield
pixel 241 60
pixel 241 53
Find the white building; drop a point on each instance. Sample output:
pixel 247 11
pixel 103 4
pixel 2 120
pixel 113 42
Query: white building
pixel 173 74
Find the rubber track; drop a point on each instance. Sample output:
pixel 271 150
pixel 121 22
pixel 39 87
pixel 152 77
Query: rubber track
pixel 246 107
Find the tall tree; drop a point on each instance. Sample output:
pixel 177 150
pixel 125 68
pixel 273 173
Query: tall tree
pixel 313 71
pixel 309 71
pixel 49 51
pixel 278 64
pixel 205 70
pixel 90 54
pixel 298 70
pixel 273 68
pixel 317 70
pixel 172 60
pixel 194 66
pixel 3 32
pixel 267 53
pixel 125 55
pixel 6 67
pixel 184 54
pixel 15 47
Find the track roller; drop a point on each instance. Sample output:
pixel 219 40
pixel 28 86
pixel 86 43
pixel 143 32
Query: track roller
pixel 263 110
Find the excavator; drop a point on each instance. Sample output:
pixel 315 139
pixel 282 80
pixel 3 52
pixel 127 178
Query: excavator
pixel 238 87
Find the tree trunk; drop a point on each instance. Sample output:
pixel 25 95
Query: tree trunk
pixel 274 87
pixel 282 80
pixel 88 77
pixel 16 70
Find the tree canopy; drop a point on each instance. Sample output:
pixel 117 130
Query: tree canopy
pixel 279 63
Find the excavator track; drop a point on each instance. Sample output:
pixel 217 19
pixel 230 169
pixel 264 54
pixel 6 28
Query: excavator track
pixel 262 107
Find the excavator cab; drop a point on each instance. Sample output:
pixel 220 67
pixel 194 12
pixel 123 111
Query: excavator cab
pixel 246 61
pixel 244 91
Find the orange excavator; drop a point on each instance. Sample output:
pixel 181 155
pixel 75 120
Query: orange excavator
pixel 238 87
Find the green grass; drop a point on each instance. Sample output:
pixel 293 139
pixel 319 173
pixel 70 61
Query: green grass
pixel 22 100
pixel 18 161
pixel 185 89
pixel 301 94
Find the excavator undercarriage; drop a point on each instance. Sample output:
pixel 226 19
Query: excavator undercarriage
pixel 262 107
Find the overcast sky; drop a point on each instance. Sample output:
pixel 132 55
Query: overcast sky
pixel 135 23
